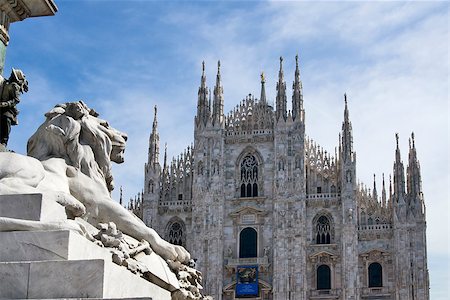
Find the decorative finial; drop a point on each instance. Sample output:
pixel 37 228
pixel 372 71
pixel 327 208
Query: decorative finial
pixel 203 66
pixel 396 138
pixel 296 60
pixel 263 78
pixel 345 98
pixel 412 137
pixel 156 110
pixel 218 66
pixel 281 62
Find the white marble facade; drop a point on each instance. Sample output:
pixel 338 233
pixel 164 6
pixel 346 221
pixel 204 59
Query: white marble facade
pixel 319 234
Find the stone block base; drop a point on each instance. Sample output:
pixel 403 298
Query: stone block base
pixel 31 207
pixel 17 246
pixel 73 279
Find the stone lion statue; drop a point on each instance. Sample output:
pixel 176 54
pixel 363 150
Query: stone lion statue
pixel 70 162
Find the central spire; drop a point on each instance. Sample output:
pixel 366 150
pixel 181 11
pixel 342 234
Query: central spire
pixel 153 147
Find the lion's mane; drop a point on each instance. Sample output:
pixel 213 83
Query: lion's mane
pixel 72 131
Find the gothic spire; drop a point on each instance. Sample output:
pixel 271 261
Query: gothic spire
pixel 218 116
pixel 203 111
pixel 263 99
pixel 297 94
pixel 153 148
pixel 203 78
pixel 281 101
pixel 375 194
pixel 399 175
pixel 347 136
pixel 383 193
pixel 413 174
pixel 165 159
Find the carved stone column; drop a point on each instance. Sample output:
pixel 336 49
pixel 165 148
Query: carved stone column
pixel 18 10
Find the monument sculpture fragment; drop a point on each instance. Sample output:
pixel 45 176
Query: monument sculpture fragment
pixel 69 163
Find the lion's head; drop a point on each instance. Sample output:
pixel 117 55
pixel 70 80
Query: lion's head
pixel 74 132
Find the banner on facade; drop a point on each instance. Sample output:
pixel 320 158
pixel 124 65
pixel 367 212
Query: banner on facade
pixel 247 281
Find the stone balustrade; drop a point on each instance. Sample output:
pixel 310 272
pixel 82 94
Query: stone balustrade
pixel 323 195
pixel 179 203
pixel 376 291
pixel 325 294
pixel 248 261
pixel 379 227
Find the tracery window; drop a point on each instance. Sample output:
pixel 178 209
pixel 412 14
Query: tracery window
pixel 249 176
pixel 151 186
pixel 375 275
pixel 323 230
pixel 175 234
pixel 248 240
pixel 323 277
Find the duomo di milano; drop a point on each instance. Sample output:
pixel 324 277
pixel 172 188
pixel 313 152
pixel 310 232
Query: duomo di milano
pixel 269 215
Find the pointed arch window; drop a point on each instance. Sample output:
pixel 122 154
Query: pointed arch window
pixel 375 275
pixel 323 277
pixel 175 234
pixel 248 240
pixel 323 230
pixel 249 176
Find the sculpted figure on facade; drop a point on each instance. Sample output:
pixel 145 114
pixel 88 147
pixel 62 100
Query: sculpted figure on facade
pixel 10 91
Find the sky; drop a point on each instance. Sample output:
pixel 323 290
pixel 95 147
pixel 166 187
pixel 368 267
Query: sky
pixel 124 57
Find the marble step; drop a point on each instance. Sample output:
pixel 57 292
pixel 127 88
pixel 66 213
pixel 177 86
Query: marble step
pixel 78 279
pixel 25 246
pixel 33 207
pixel 17 246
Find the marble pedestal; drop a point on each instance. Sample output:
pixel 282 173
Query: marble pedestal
pixel 65 265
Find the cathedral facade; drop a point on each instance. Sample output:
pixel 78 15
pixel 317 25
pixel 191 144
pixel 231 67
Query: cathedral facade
pixel 268 214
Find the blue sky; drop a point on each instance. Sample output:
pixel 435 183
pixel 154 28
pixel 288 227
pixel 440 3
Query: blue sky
pixel 124 57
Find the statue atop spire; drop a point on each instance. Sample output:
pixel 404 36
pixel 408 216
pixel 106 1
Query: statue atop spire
pixel 263 99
